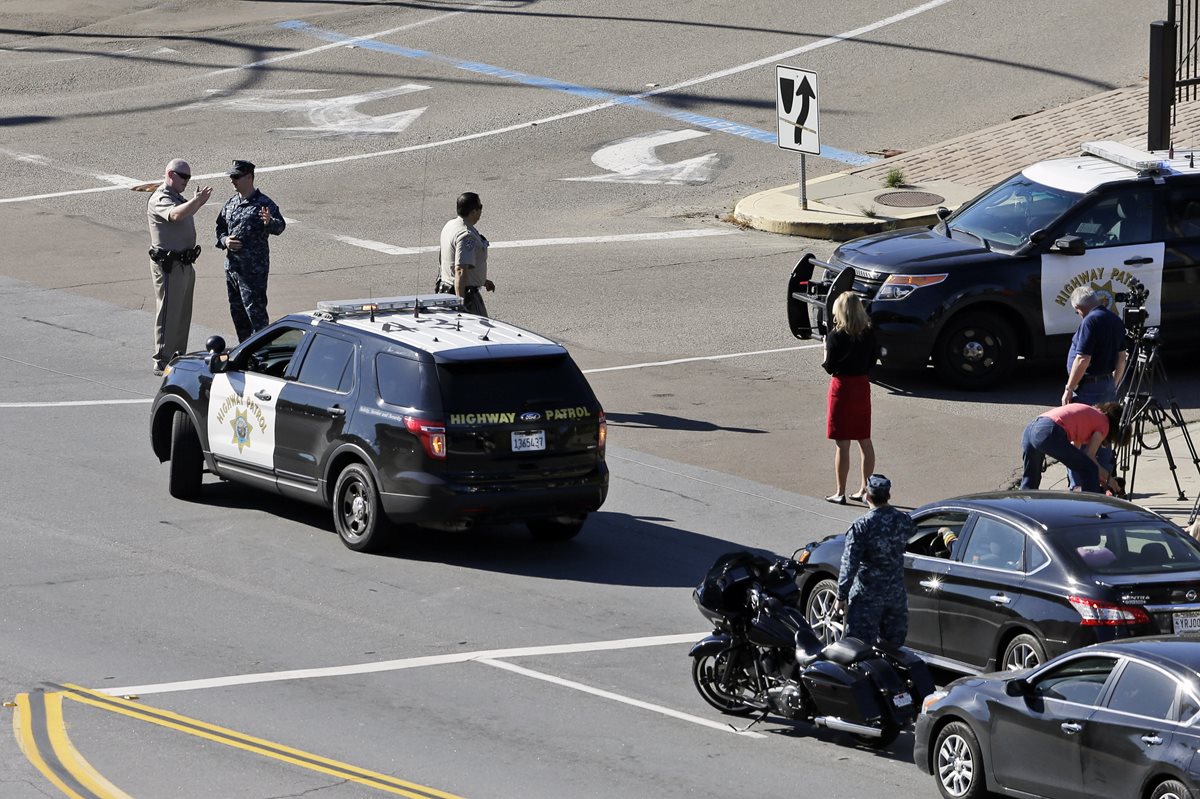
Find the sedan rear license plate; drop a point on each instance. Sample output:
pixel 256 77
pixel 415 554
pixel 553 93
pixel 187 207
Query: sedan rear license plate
pixel 529 442
pixel 1188 622
pixel 902 700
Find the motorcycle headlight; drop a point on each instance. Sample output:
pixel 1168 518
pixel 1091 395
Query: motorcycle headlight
pixel 897 287
pixel 928 703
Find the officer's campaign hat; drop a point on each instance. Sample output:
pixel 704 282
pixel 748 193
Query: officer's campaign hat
pixel 240 168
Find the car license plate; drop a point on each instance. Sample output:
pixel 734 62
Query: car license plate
pixel 1188 622
pixel 902 700
pixel 529 442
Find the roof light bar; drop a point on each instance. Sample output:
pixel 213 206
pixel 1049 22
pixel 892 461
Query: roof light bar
pixel 364 307
pixel 1124 155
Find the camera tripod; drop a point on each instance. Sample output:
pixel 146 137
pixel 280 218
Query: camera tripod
pixel 1143 411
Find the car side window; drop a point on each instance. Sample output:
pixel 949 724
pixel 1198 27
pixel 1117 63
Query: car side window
pixel 272 354
pixel 1119 218
pixel 1183 213
pixel 995 544
pixel 400 380
pixel 1188 706
pixel 329 363
pixel 1078 680
pixel 1143 691
pixel 937 534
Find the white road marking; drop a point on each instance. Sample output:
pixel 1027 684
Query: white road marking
pixel 521 126
pixel 633 160
pixel 44 161
pixel 76 403
pixel 405 663
pixel 699 358
pixel 391 249
pixel 587 689
pixel 331 117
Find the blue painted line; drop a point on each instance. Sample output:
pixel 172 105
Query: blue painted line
pixel 698 120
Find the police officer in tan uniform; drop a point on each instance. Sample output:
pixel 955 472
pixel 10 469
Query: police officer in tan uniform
pixel 463 262
pixel 173 250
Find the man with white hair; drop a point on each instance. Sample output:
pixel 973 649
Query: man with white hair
pixel 1096 361
pixel 173 250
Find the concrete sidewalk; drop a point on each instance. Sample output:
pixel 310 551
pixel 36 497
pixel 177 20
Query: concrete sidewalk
pixel 845 205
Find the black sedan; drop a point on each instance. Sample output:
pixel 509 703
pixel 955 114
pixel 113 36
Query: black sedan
pixel 1112 720
pixel 1006 580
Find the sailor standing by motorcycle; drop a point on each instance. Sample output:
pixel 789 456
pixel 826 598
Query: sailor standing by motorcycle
pixel 871 579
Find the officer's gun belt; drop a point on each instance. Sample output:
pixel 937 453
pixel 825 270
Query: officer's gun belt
pixel 168 258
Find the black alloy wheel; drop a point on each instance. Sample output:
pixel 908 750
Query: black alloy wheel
pixel 557 528
pixel 725 680
pixel 976 350
pixel 187 461
pixel 1023 652
pixel 357 513
pixel 958 763
pixel 819 611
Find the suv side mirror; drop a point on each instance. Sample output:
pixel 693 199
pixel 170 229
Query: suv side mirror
pixel 1070 245
pixel 943 213
pixel 1017 687
pixel 217 360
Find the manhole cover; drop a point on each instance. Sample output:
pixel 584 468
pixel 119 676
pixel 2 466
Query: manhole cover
pixel 909 199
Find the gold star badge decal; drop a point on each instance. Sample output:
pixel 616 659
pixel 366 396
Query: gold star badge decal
pixel 241 430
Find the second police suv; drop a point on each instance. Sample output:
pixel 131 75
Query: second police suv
pixel 404 409
pixel 992 281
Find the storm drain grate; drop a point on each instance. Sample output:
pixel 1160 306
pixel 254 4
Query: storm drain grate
pixel 909 199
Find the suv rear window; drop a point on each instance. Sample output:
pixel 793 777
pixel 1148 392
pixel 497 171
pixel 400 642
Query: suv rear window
pixel 514 384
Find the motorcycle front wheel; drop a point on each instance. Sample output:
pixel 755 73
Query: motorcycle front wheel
pixel 725 680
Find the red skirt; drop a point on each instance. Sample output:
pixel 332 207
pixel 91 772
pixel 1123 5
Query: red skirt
pixel 849 412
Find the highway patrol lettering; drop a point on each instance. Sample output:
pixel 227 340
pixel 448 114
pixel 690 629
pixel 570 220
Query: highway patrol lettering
pixel 552 415
pixel 1094 277
pixel 244 409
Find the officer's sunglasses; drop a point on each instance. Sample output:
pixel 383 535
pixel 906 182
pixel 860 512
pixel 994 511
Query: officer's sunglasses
pixel 184 176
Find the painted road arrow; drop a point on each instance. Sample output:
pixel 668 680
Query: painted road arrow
pixel 633 160
pixel 330 117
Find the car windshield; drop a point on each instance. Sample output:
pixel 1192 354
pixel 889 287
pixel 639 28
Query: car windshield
pixel 1006 216
pixel 1130 548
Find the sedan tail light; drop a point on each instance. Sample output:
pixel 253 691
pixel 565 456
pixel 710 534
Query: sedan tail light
pixel 1106 614
pixel 432 435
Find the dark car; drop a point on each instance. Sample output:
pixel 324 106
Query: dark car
pixel 406 409
pixel 1031 575
pixel 1112 721
pixel 993 280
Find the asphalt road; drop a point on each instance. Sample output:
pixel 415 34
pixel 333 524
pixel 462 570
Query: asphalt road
pixel 607 141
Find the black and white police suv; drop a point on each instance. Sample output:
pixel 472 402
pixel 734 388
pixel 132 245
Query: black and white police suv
pixel 404 409
pixel 992 281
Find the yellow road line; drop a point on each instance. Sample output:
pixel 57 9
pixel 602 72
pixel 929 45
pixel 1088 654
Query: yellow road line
pixel 287 754
pixel 70 757
pixel 23 729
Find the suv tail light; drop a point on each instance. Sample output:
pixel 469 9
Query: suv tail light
pixel 432 435
pixel 1106 614
pixel 602 433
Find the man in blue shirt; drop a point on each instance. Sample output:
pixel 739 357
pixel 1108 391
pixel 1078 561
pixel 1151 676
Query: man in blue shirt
pixel 1097 357
pixel 242 229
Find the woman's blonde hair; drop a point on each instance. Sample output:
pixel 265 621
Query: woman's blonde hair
pixel 850 315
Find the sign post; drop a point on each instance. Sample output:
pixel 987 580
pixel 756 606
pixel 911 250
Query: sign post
pixel 796 105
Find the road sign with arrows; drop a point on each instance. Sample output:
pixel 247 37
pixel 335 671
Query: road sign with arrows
pixel 797 108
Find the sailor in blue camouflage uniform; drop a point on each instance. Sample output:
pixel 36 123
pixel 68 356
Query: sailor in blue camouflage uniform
pixel 242 229
pixel 872 571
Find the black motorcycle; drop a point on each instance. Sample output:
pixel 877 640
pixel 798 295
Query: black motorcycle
pixel 763 656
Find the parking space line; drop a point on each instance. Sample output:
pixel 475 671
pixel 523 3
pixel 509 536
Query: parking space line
pixel 258 746
pixel 587 689
pixel 649 364
pixel 616 238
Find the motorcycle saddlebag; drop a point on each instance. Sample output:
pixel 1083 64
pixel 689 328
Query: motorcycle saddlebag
pixel 909 663
pixel 897 702
pixel 842 691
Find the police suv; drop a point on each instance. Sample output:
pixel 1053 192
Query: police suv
pixel 992 281
pixel 404 409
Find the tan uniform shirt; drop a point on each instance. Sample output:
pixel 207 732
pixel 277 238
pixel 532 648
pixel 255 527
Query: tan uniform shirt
pixel 463 245
pixel 165 234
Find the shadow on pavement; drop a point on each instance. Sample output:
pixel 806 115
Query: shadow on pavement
pixel 663 421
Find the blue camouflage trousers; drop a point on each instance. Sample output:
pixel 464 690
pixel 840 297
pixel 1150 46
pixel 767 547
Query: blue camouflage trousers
pixel 247 293
pixel 870 616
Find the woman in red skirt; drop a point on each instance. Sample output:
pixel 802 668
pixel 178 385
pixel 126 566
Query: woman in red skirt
pixel 850 352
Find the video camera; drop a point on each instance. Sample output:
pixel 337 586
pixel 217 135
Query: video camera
pixel 1134 315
